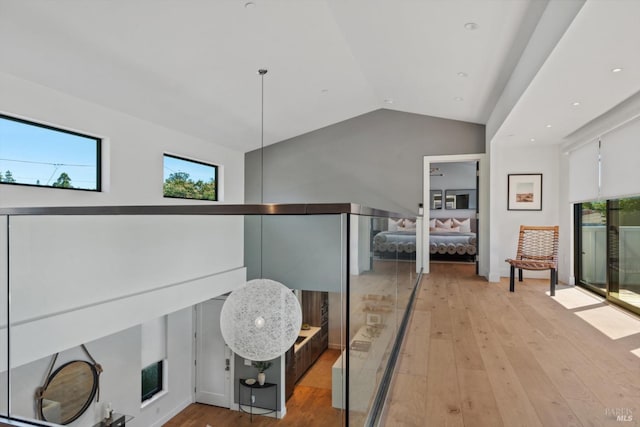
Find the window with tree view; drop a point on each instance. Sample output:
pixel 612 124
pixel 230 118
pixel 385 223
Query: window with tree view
pixel 189 179
pixel 43 156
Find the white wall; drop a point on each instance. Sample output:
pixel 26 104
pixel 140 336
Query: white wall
pixel 180 356
pixel 132 151
pixel 505 224
pixel 119 355
pixel 95 279
pixel 360 250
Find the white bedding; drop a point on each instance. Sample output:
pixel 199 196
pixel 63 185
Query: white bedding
pixel 452 243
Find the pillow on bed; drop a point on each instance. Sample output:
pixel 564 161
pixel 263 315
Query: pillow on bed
pixel 443 224
pixel 409 225
pixel 465 225
pixel 432 223
pixel 395 225
pixel 446 230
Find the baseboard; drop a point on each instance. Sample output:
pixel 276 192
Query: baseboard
pixel 172 413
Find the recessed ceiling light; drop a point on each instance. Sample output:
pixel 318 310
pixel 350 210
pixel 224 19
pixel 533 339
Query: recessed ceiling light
pixel 532 140
pixel 462 74
pixel 548 126
pixel 616 70
pixel 458 98
pixel 575 104
pixel 388 101
pixel 249 5
pixel 471 26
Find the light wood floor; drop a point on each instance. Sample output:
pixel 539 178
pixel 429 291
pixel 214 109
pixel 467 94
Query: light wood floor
pixel 309 406
pixel 477 355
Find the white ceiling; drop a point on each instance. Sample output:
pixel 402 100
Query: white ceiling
pixel 192 64
pixel 603 36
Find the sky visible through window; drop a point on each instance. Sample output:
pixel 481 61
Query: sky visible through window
pixel 36 155
pixel 196 171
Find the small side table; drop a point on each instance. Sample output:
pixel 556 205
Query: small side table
pixel 117 420
pixel 252 389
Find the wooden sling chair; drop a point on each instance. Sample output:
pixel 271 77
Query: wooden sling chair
pixel 537 250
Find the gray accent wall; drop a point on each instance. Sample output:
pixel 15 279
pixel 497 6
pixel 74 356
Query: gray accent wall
pixel 375 159
pixel 303 252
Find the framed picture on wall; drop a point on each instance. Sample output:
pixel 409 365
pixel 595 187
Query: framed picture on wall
pixel 524 192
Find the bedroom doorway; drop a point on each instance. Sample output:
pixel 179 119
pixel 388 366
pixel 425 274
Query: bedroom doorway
pixel 454 206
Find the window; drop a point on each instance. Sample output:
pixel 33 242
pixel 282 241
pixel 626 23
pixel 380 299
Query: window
pixel 151 380
pixel 189 179
pixel 43 156
pixel 153 334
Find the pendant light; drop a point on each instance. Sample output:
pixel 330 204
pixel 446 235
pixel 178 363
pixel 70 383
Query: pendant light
pixel 261 320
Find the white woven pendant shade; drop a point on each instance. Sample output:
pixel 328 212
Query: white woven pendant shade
pixel 261 320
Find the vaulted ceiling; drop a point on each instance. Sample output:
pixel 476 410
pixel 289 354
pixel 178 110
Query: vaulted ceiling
pixel 192 64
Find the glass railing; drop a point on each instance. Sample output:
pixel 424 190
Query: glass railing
pixel 381 277
pixel 117 288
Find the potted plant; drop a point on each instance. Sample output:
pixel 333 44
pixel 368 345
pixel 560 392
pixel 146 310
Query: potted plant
pixel 261 367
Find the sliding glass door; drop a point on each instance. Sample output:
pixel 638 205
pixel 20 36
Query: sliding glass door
pixel 592 249
pixel 608 249
pixel 624 251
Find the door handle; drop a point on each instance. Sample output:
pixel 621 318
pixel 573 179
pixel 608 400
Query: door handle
pixel 227 363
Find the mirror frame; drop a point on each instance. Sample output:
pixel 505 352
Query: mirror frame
pixel 448 195
pixel 432 201
pixel 94 373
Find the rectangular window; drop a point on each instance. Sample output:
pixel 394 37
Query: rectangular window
pixel 190 179
pixel 151 380
pixel 43 156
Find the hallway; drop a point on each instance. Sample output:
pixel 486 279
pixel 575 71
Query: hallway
pixel 477 355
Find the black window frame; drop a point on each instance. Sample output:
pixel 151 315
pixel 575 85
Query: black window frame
pixel 97 140
pixel 159 381
pixel 216 186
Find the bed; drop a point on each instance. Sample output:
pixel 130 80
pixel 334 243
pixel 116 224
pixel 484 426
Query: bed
pixel 451 239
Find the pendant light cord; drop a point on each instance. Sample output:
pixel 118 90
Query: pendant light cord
pixel 261 72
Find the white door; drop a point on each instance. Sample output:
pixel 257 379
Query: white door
pixel 214 361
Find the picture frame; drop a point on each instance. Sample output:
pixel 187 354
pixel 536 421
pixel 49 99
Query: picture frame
pixel 524 192
pixel 436 199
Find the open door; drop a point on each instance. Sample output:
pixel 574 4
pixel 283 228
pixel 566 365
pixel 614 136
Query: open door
pixel 214 361
pixel 436 204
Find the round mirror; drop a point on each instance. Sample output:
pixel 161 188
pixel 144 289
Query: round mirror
pixel 68 392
